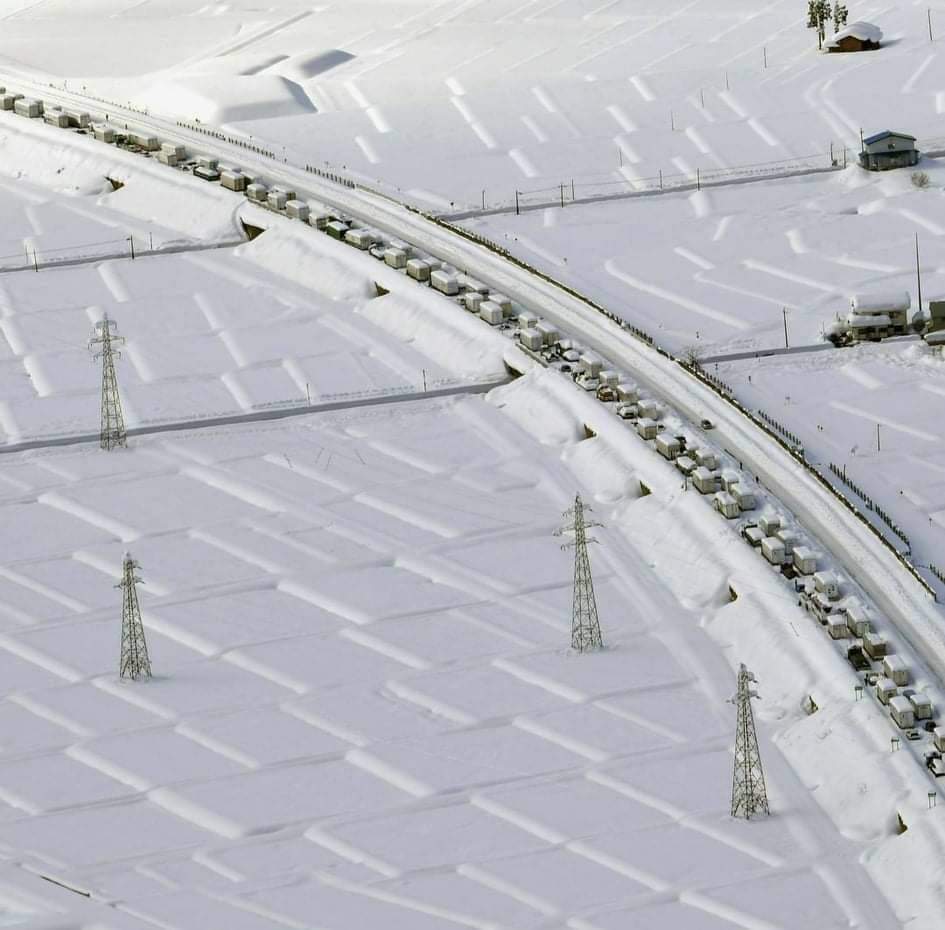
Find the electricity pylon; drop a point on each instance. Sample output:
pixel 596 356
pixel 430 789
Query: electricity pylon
pixel 585 627
pixel 112 432
pixel 748 781
pixel 135 663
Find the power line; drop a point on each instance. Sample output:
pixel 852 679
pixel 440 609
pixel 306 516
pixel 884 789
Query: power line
pixel 112 432
pixel 135 662
pixel 585 626
pixel 749 796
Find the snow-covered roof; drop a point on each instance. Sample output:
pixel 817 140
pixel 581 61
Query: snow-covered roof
pixel 881 301
pixel 865 32
pixel 865 321
pixel 900 704
pixel 887 134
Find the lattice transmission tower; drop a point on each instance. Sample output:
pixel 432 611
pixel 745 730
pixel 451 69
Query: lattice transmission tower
pixel 749 796
pixel 112 432
pixel 585 627
pixel 135 663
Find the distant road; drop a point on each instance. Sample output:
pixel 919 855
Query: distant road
pixel 256 416
pixel 764 353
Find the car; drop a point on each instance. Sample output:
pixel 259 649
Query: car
pixel 589 384
pixel 571 355
pixel 706 424
pixel 628 411
pixel 935 764
pixel 606 393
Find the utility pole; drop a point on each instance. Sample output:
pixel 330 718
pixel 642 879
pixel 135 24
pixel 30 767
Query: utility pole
pixel 585 627
pixel 784 316
pixel 929 12
pixel 134 663
pixel 131 239
pixel 516 204
pixel 749 796
pixel 879 445
pixel 918 271
pixel 112 431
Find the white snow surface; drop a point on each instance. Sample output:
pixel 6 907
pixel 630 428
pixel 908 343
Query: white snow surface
pixel 364 711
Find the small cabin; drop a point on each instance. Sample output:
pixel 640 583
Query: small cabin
pixel 885 150
pixel 856 37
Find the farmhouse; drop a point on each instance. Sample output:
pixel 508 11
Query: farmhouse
pixel 888 149
pixel 857 37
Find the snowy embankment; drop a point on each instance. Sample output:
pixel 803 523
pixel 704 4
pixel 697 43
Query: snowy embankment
pixel 841 753
pixel 73 164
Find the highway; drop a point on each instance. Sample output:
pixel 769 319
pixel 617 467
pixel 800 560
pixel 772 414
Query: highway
pixel 863 556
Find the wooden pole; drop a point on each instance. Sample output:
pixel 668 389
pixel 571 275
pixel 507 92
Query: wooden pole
pixel 918 271
pixel 929 12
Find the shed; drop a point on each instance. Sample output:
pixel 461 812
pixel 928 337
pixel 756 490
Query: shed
pixel 297 210
pixel 647 428
pixel 397 258
pixel 856 37
pixel 529 338
pixel 233 180
pixel 921 705
pixel 886 690
pixel 770 523
pixel 490 312
pixel 705 480
pixel 887 149
pixel 895 667
pixel 805 560
pixel 472 300
pixel 744 496
pixel 628 393
pixel 444 282
pixel 901 711
pixel 419 270
pixel 875 645
pixel 773 550
pixel 668 446
pixel 726 505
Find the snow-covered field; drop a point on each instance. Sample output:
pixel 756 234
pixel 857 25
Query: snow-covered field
pixel 364 711
pixel 445 101
pixel 363 705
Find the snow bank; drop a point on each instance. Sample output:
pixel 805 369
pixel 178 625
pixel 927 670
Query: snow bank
pixel 78 165
pixel 299 254
pixel 226 98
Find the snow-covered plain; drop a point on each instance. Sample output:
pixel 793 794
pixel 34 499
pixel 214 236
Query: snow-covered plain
pixel 364 712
